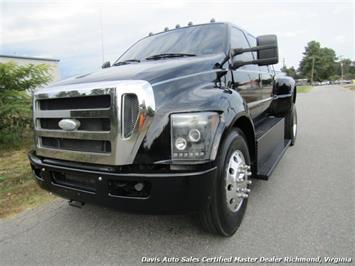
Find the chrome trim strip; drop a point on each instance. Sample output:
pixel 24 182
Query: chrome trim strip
pixel 123 151
pixel 88 135
pixel 208 72
pixel 255 104
pixel 274 97
pixel 281 96
pixel 77 156
pixel 78 113
pixel 77 90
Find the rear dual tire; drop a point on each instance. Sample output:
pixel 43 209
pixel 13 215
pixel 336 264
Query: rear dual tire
pixel 291 126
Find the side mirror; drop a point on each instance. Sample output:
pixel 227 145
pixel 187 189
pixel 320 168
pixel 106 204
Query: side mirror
pixel 106 64
pixel 267 52
pixel 267 56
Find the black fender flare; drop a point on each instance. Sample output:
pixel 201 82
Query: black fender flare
pixel 284 95
pixel 244 122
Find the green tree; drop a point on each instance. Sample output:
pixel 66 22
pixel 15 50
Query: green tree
pixel 347 67
pixel 23 77
pixel 291 72
pixel 351 74
pixel 16 84
pixel 321 59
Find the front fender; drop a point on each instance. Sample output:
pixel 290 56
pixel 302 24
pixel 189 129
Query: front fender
pixel 192 94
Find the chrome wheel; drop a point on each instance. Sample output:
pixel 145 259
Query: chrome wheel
pixel 237 182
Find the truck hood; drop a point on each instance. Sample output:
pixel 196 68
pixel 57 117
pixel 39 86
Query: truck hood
pixel 186 84
pixel 152 71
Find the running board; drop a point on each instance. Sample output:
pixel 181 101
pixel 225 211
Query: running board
pixel 271 145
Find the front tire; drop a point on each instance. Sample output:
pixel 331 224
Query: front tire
pixel 228 203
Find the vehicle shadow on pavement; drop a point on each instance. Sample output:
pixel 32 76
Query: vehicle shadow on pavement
pixel 119 222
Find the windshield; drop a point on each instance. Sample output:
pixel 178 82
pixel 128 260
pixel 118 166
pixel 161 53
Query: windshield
pixel 194 40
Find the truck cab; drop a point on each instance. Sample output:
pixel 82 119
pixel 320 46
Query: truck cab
pixel 181 122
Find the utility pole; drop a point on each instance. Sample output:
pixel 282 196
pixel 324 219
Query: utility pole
pixel 340 57
pixel 312 71
pixel 342 70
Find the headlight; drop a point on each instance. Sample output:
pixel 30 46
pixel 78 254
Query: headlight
pixel 192 135
pixel 180 144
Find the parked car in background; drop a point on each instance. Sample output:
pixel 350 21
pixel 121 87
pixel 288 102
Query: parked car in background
pixel 325 82
pixel 302 82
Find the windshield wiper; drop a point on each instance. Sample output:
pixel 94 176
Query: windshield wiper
pixel 125 62
pixel 168 55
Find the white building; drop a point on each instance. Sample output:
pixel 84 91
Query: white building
pixel 24 60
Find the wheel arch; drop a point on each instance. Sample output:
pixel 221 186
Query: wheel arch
pixel 244 123
pixel 284 91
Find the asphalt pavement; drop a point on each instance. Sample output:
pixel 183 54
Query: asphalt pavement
pixel 306 209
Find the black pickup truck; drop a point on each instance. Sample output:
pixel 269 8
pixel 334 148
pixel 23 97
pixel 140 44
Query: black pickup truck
pixel 180 122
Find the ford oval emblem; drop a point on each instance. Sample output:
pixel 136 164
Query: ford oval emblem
pixel 69 124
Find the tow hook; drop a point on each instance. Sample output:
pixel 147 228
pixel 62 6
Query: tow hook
pixel 77 204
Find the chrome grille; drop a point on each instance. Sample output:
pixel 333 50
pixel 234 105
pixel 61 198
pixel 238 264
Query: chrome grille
pixel 84 102
pixel 97 146
pixel 89 124
pixel 107 112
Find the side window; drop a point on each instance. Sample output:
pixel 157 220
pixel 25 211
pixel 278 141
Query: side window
pixel 267 69
pixel 264 69
pixel 238 40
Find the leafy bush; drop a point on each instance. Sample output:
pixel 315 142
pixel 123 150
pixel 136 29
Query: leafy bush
pixel 16 84
pixel 15 117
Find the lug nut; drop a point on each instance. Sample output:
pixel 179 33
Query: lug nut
pixel 244 167
pixel 249 182
pixel 43 169
pixel 243 196
pixel 100 178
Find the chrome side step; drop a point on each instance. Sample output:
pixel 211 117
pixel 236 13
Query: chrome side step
pixel 271 145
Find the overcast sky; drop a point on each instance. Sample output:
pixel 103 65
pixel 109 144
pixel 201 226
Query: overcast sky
pixel 71 31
